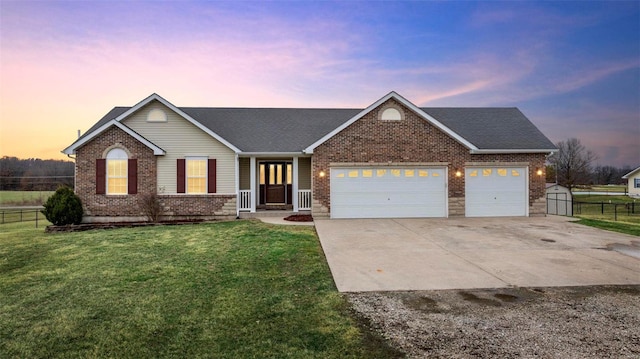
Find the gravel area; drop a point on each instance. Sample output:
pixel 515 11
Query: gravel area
pixel 567 322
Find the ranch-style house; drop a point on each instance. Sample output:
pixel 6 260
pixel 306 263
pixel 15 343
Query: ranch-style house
pixel 391 159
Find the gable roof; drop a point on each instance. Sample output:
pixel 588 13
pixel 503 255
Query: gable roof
pixel 105 126
pixel 630 174
pixel 297 130
pixel 123 112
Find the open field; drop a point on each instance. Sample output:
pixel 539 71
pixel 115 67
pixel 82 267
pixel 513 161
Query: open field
pixel 601 188
pixel 24 198
pixel 239 289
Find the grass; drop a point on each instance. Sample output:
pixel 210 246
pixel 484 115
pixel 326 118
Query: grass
pixel 24 198
pixel 591 207
pixel 239 289
pixel 627 228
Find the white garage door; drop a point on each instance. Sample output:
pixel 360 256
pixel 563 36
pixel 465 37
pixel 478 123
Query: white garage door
pixel 496 191
pixel 375 192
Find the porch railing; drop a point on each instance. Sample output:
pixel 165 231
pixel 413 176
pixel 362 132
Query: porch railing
pixel 304 199
pixel 245 200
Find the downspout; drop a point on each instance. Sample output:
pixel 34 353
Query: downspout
pixel 237 183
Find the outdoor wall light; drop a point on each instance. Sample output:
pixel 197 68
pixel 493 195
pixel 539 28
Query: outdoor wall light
pixel 458 173
pixel 322 174
pixel 539 172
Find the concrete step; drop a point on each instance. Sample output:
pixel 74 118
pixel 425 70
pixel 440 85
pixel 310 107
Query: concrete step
pixel 270 213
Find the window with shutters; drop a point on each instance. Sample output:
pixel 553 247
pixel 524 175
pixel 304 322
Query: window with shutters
pixel 117 172
pixel 196 175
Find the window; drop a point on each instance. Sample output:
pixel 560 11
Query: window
pixel 381 173
pixel 196 175
pixel 353 174
pixel 117 178
pixel 396 173
pixel 289 173
pixel 367 173
pixel 409 173
pixel 262 174
pixel 515 173
pixel 636 182
pixel 486 172
pixel 473 173
pixel 502 172
pixel 423 173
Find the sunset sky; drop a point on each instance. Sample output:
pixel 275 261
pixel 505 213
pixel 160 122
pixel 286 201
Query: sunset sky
pixel 572 67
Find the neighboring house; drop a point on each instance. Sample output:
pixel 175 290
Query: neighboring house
pixel 633 182
pixel 391 159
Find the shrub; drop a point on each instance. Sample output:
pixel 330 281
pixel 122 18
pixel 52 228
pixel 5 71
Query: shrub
pixel 63 207
pixel 150 205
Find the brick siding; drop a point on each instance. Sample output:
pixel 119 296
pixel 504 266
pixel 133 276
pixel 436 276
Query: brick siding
pixel 371 140
pixel 102 207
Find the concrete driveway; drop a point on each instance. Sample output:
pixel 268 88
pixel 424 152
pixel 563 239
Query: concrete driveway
pixel 466 253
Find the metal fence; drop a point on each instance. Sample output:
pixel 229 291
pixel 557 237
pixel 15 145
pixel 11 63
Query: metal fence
pixel 608 210
pixel 21 215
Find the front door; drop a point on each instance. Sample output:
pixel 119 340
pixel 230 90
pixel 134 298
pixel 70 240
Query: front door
pixel 275 182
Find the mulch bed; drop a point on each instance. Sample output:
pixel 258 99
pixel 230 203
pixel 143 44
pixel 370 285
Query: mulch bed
pixel 110 225
pixel 299 218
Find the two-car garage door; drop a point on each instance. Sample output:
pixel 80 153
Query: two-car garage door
pixel 388 192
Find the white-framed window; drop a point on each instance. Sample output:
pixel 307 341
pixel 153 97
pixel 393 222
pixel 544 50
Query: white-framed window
pixel 117 174
pixel 196 175
pixel 636 182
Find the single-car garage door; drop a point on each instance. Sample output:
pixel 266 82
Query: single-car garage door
pixel 496 191
pixel 388 192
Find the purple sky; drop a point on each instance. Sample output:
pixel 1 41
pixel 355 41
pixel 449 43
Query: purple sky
pixel 572 67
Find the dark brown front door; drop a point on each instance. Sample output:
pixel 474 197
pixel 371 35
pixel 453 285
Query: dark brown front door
pixel 275 182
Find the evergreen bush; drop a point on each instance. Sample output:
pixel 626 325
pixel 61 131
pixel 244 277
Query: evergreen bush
pixel 63 207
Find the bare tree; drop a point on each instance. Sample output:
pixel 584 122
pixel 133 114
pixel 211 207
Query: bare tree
pixel 572 163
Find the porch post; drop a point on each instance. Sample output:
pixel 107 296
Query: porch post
pixel 294 190
pixel 252 182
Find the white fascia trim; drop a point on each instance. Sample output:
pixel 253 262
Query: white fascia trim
pixel 273 154
pixel 403 101
pixel 630 174
pixel 500 151
pixel 72 149
pixel 179 112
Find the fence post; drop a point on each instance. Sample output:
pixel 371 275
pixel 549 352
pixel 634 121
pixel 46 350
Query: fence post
pixel 615 212
pixel 20 215
pixel 36 218
pixel 601 207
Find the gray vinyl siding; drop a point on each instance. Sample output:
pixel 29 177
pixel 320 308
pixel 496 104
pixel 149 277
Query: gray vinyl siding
pixel 180 139
pixel 245 173
pixel 304 173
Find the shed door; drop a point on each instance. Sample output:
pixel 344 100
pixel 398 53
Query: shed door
pixel 391 192
pixel 496 191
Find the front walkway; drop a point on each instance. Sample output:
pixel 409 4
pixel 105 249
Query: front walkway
pixel 466 253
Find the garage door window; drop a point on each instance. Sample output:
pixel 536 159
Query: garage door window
pixel 381 173
pixel 353 174
pixel 395 173
pixel 367 173
pixel 423 173
pixel 515 173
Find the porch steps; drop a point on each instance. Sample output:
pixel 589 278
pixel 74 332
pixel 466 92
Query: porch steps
pixel 270 213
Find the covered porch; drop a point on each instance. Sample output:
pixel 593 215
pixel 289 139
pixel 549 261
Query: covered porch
pixel 274 183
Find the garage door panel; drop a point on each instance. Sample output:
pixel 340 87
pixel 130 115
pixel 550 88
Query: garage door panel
pixel 495 191
pixel 372 192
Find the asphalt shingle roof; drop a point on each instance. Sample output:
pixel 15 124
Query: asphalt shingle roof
pixel 293 129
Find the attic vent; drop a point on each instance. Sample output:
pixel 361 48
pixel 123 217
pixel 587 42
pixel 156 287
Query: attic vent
pixel 156 115
pixel 391 114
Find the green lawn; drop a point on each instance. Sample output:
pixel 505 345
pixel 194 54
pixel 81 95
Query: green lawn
pixel 603 207
pixel 628 228
pixel 24 198
pixel 240 289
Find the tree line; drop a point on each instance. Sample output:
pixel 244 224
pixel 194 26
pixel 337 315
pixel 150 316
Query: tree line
pixel 573 166
pixel 34 174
